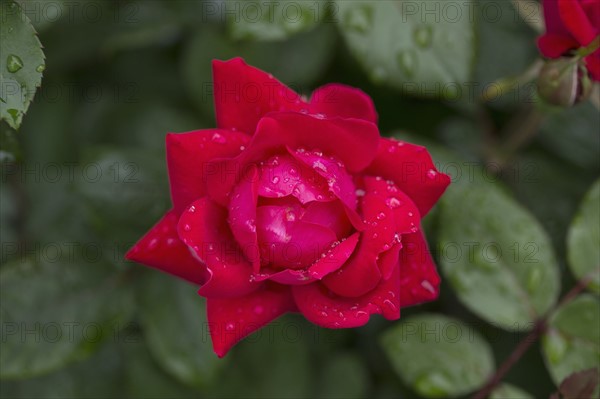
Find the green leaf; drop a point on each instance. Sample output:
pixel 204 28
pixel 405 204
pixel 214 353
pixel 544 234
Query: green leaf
pixel 438 356
pixel 343 376
pixel 399 45
pixel 126 188
pixel 507 391
pixel 97 377
pixel 284 370
pixel 297 61
pixel 272 20
pixel 173 316
pixel 497 257
pixel 57 308
pixel 9 145
pixel 583 239
pixel 572 134
pixel 21 64
pixel 572 341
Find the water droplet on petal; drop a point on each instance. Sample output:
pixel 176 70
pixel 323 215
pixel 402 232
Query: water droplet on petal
pixel 393 202
pixel 218 138
pixel 360 193
pixel 431 174
pixel 407 60
pixel 359 19
pixel 187 227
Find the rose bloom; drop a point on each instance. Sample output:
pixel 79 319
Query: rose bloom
pixel 293 205
pixel 571 24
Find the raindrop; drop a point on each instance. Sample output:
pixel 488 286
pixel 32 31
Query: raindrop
pixel 275 180
pixel 360 193
pixel 359 19
pixel 218 138
pixel 229 327
pixel 407 60
pixel 431 174
pixel 13 63
pixel 41 68
pixel 534 279
pixel 381 216
pixel 390 305
pixel 393 202
pixel 423 36
pixel 192 209
pixel 242 147
pixel 433 384
pixel 187 227
pixel 153 243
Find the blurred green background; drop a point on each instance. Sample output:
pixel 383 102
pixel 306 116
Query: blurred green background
pixel 85 176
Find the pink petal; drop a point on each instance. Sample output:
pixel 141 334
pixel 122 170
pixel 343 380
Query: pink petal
pixel 329 214
pixel 288 242
pixel 577 21
pixel 242 216
pixel 333 260
pixel 282 175
pixel 244 94
pixel 326 309
pixel 230 320
pixel 162 249
pixel 411 168
pixel 203 227
pixel 343 101
pixel 338 180
pixel 354 142
pixel 187 158
pixel 419 280
pixel 553 22
pixel 388 261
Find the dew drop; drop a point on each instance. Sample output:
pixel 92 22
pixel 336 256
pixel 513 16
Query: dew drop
pixel 275 180
pixel 431 174
pixel 360 193
pixel 407 60
pixel 187 227
pixel 218 138
pixel 13 63
pixel 393 202
pixel 423 35
pixel 40 68
pixel 229 327
pixel 359 19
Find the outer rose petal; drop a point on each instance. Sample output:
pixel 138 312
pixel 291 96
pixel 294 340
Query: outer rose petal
pixel 187 158
pixel 162 249
pixel 322 307
pixel 592 63
pixel 203 227
pixel 232 319
pixel 354 142
pixel 411 168
pixel 553 45
pixel 419 280
pixel 244 94
pixel 577 22
pixel 343 101
pixel 552 19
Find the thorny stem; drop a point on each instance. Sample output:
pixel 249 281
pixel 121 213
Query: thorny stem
pixel 539 328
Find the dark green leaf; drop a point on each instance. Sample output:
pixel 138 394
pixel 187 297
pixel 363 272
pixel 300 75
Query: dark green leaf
pixel 507 391
pixel 572 341
pixel 399 44
pixel 56 308
pixel 174 318
pixel 438 356
pixel 21 64
pixel 496 256
pixel 584 239
pixel 343 376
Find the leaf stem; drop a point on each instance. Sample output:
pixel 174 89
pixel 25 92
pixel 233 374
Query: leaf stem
pixel 539 328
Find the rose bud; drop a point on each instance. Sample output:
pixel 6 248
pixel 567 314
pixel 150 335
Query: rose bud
pixel 564 83
pixel 294 205
pixel 572 25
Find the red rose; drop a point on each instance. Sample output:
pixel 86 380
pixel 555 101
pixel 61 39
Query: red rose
pixel 571 24
pixel 294 205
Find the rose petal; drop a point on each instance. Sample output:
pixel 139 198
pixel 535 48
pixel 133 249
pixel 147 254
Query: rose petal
pixel 329 214
pixel 187 159
pixel 553 45
pixel 388 261
pixel 338 180
pixel 577 22
pixel 244 94
pixel 333 260
pixel 322 307
pixel 354 142
pixel 553 22
pixel 282 175
pixel 411 168
pixel 592 62
pixel 343 101
pixel 288 242
pixel 203 227
pixel 242 216
pixel 162 249
pixel 230 320
pixel 419 280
